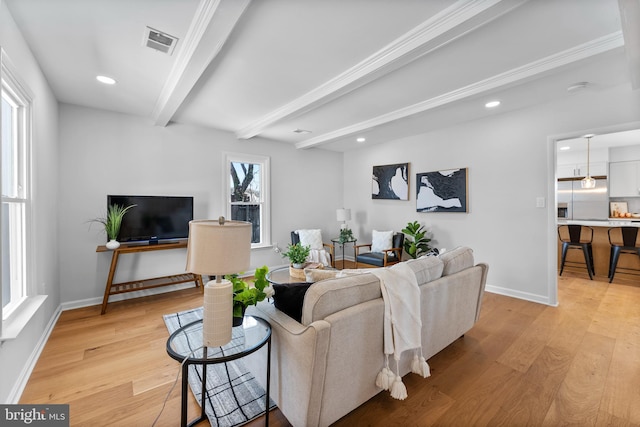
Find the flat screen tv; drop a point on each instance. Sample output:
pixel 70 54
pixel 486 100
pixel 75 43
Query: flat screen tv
pixel 154 218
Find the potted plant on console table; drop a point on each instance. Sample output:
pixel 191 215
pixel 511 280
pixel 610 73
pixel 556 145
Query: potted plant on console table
pixel 112 222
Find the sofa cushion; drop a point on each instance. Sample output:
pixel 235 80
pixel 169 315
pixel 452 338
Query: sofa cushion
pixel 456 260
pixel 289 297
pixel 426 268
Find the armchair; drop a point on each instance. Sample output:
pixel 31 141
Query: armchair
pixel 313 238
pixel 385 249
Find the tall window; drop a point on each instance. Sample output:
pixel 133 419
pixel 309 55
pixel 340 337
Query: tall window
pixel 247 194
pixel 15 139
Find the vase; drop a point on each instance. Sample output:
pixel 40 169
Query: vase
pixel 297 265
pixel 112 244
pixel 237 321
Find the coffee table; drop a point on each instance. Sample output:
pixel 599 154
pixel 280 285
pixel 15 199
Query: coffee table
pixel 280 276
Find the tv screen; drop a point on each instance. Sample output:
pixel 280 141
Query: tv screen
pixel 154 218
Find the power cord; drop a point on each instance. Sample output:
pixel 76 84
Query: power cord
pixel 166 399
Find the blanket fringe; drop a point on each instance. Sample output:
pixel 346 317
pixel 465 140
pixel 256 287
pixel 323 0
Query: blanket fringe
pixel 385 376
pixel 420 366
pixel 398 390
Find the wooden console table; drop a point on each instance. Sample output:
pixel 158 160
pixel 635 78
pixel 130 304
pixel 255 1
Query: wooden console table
pixel 138 285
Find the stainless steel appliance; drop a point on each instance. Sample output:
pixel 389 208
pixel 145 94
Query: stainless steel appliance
pixel 575 202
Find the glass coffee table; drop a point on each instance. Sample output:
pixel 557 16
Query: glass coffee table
pixel 257 333
pixel 281 276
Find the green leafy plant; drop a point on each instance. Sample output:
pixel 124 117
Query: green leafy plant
pixel 346 235
pixel 415 242
pixel 297 253
pixel 113 220
pixel 245 295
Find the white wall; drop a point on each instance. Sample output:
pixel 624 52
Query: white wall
pixel 107 153
pixel 16 355
pixel 507 158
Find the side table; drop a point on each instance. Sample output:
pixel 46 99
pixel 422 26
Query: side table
pixel 257 333
pixel 336 241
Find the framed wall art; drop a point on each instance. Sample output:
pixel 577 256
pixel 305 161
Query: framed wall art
pixel 442 191
pixel 391 182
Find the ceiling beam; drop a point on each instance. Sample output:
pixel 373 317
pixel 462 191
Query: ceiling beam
pixel 630 20
pixel 508 78
pixel 210 28
pixel 453 22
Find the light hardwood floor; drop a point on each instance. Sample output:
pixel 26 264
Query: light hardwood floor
pixel 523 364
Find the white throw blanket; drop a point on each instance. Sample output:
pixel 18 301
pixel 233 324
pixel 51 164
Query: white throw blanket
pixel 320 256
pixel 402 325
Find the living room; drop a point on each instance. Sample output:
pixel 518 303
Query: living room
pixel 81 154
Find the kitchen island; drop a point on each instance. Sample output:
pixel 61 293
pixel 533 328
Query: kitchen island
pixel 601 249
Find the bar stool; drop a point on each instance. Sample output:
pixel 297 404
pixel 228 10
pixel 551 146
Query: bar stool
pixel 623 240
pixel 575 236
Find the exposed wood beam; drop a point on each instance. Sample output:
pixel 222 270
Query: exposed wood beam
pixel 630 20
pixel 453 22
pixel 510 77
pixel 211 26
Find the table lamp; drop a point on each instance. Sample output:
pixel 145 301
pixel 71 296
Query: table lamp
pixel 216 248
pixel 343 215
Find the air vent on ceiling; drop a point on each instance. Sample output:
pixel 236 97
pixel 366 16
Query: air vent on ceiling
pixel 159 41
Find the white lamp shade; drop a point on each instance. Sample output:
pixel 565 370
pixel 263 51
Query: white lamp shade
pixel 343 214
pixel 218 247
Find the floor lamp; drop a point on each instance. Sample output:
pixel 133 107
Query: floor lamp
pixel 216 248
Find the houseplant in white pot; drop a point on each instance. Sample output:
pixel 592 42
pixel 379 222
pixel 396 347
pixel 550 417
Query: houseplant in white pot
pixel 112 222
pixel 297 254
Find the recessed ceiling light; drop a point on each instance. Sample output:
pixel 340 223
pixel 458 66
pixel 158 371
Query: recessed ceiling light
pixel 361 139
pixel 577 86
pixel 492 104
pixel 301 131
pixel 589 135
pixel 565 148
pixel 106 80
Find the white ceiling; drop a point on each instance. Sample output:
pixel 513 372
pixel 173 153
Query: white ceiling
pixel 342 69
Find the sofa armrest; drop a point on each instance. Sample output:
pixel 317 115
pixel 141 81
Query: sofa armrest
pixel 298 364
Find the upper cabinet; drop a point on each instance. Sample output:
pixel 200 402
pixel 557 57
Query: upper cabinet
pixel 624 179
pixel 580 170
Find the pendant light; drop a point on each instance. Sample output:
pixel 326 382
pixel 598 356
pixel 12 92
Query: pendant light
pixel 587 181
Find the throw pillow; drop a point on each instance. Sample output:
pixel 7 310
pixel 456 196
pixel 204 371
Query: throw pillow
pixel 316 274
pixel 456 260
pixel 311 238
pixel 289 297
pixel 381 240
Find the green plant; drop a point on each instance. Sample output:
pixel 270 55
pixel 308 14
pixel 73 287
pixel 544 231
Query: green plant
pixel 297 253
pixel 245 295
pixel 346 235
pixel 113 220
pixel 415 241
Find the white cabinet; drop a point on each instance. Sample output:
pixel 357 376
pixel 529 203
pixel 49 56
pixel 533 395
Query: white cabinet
pixel 624 179
pixel 576 170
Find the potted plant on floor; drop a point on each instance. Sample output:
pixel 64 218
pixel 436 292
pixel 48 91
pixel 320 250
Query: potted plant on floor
pixel 245 295
pixel 297 254
pixel 112 222
pixel 415 243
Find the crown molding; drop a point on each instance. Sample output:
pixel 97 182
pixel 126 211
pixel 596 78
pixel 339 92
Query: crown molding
pixel 210 28
pixel 453 22
pixel 519 74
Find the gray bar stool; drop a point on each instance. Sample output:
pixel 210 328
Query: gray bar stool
pixel 623 240
pixel 575 236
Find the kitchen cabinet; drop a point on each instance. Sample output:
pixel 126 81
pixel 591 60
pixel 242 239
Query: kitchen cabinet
pixel 624 179
pixel 576 170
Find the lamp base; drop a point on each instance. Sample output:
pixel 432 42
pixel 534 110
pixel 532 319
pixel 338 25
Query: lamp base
pixel 217 313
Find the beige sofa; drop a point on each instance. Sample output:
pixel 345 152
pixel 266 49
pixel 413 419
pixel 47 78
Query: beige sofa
pixel 325 366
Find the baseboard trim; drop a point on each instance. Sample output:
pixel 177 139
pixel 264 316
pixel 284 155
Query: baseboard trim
pixel 540 299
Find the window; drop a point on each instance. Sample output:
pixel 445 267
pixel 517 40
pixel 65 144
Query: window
pixel 247 194
pixel 15 138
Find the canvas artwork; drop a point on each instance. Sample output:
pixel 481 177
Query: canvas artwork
pixel 391 182
pixel 442 191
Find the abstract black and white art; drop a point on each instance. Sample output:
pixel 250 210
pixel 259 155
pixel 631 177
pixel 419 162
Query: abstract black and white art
pixel 442 191
pixel 391 182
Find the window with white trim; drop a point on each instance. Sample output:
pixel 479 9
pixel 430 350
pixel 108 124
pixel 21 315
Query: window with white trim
pixel 15 139
pixel 246 194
